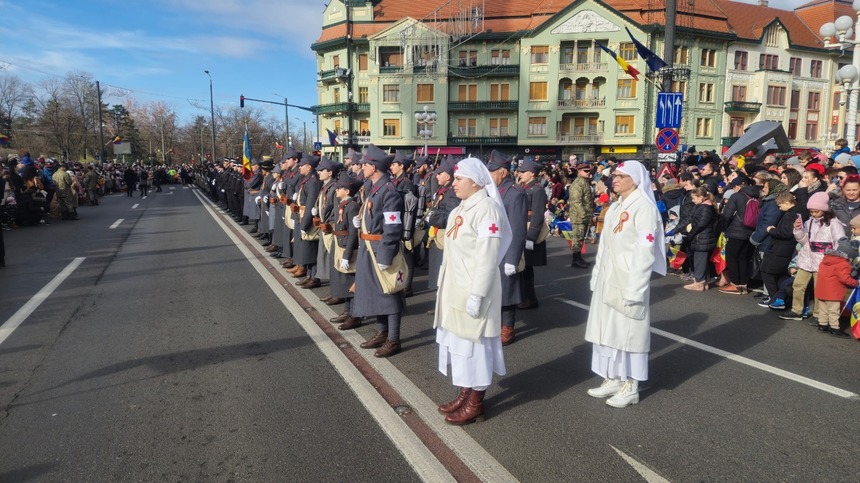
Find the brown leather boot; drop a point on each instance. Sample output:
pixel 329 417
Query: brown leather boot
pixel 457 403
pixel 375 342
pixel 300 272
pixel 314 283
pixel 325 298
pixel 294 268
pixel 271 248
pixel 340 318
pixel 388 349
pixel 508 335
pixel 288 263
pixel 471 411
pixel 350 323
pixel 334 301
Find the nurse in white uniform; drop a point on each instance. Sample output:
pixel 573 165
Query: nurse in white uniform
pixel 469 298
pixel 619 323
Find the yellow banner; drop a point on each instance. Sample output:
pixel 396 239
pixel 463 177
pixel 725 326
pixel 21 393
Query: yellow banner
pixel 618 150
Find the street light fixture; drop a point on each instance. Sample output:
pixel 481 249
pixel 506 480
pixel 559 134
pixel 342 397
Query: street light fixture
pixel 211 113
pixel 848 74
pixel 427 120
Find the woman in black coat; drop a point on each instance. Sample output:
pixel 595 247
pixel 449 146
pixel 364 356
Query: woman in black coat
pixel 739 250
pixel 701 236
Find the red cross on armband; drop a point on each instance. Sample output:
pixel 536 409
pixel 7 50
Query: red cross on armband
pixel 646 239
pixel 650 238
pixel 493 228
pixel 489 229
pixel 392 217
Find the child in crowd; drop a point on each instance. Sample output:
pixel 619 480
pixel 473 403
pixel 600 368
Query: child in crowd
pixel 778 254
pixel 834 279
pixel 820 233
pixel 701 236
pixel 855 228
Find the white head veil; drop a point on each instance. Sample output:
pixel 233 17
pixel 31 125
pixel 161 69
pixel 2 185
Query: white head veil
pixel 475 170
pixel 642 179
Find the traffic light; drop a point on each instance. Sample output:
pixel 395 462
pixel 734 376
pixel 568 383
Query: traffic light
pixel 241 101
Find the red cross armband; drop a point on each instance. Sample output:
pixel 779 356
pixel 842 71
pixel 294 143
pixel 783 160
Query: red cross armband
pixel 489 229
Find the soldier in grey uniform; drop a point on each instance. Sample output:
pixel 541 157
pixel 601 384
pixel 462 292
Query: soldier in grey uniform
pixel 402 182
pixel 252 190
pixel 266 167
pixel 290 177
pixel 346 236
pixel 381 229
pixel 444 201
pixel 324 215
pixel 421 176
pixel 516 206
pixel 276 211
pixel 308 190
pixel 535 254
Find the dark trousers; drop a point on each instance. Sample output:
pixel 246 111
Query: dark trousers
pixel 772 282
pixel 529 284
pixel 509 315
pixel 738 260
pixel 700 265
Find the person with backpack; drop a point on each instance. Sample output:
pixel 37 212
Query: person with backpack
pixel 738 221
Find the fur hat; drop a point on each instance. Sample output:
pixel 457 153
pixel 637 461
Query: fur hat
pixel 846 248
pixel 819 201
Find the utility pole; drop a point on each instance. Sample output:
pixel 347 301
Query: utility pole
pixel 287 121
pixel 349 104
pixel 669 44
pixel 101 125
pixel 211 113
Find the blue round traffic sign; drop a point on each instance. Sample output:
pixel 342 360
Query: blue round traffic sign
pixel 667 140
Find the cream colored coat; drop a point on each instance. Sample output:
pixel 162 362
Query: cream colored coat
pixel 620 315
pixel 470 266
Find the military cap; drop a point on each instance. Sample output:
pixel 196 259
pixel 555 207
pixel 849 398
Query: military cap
pixel 309 160
pixel 377 157
pixel 446 166
pixel 292 153
pixel 498 161
pixel 267 165
pixel 348 182
pixel 328 164
pixel 421 161
pixel 584 167
pixel 277 169
pixel 403 159
pixel 529 165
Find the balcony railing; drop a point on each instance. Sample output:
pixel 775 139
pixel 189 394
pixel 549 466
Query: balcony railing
pixel 473 140
pixel 563 138
pixel 328 75
pixel 582 103
pixel 340 107
pixel 484 106
pixel 500 70
pixel 584 67
pixel 390 69
pixel 742 106
pixel 728 141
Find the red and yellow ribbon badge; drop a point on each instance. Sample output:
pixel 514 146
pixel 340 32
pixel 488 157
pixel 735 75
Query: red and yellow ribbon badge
pixel 452 233
pixel 621 219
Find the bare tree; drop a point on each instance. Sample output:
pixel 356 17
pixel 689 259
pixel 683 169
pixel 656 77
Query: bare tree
pixel 13 94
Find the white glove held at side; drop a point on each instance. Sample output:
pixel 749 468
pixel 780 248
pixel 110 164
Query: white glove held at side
pixel 356 221
pixel 510 270
pixel 257 200
pixel 315 211
pixel 530 245
pixel 303 232
pixel 344 264
pixel 473 306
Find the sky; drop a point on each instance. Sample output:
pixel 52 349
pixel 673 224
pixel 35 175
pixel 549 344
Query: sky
pixel 158 50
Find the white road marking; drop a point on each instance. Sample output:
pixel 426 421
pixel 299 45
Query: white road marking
pixel 743 360
pixel 172 187
pixel 647 473
pixel 18 317
pixel 411 447
pixel 185 187
pixel 134 206
pixel 116 223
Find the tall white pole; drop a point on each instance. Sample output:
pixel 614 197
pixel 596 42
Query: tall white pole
pixel 851 115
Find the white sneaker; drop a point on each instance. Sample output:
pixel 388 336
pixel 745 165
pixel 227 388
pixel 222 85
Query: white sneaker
pixel 627 395
pixel 608 388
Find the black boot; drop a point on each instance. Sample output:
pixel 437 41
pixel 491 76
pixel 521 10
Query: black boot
pixel 578 261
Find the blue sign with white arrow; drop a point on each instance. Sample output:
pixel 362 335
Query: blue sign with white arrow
pixel 669 109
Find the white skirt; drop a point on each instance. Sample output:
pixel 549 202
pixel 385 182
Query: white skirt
pixel 472 364
pixel 611 363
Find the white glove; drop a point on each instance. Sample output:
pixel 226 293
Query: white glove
pixel 356 221
pixel 530 245
pixel 628 303
pixel 295 196
pixel 510 270
pixel 382 266
pixel 315 211
pixel 222 191
pixel 265 199
pixel 303 232
pixel 344 264
pixel 473 306
pixel 257 200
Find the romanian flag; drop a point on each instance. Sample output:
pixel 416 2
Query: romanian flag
pixel 332 137
pixel 621 62
pixel 853 308
pixel 654 62
pixel 246 155
pixel 4 140
pixel 117 140
pixel 278 145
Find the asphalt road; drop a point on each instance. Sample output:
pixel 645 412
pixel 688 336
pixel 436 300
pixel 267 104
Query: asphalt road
pixel 174 351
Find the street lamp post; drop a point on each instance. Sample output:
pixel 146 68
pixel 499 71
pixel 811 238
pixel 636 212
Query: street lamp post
pixel 211 113
pixel 848 74
pixel 427 120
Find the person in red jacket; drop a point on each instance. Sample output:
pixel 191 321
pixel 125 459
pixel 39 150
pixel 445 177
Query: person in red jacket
pixel 834 279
